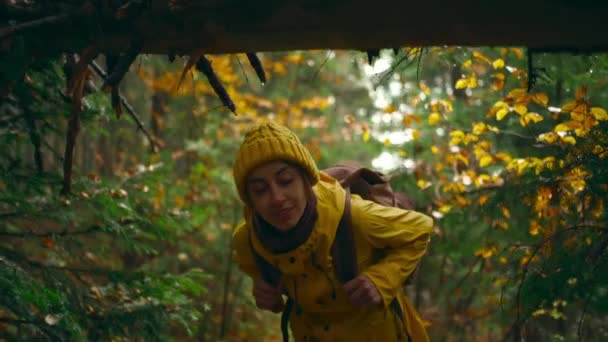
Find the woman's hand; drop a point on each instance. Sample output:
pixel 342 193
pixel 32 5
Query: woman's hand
pixel 362 291
pixel 267 297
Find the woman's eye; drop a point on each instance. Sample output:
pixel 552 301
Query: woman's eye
pixel 286 181
pixel 258 191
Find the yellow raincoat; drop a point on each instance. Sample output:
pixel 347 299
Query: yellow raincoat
pixel 402 235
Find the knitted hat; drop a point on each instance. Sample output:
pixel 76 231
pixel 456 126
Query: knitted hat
pixel 269 142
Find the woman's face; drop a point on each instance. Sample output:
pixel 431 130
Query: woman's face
pixel 277 192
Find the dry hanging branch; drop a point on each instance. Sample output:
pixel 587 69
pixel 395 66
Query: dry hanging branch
pixel 204 66
pixel 20 28
pixel 371 55
pixel 130 110
pixel 111 61
pixel 79 74
pixel 131 9
pixel 257 66
pixel 122 66
pixel 194 57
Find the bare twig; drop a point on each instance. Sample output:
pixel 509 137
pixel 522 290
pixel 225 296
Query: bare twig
pixel 314 76
pixel 256 64
pixel 516 327
pixel 99 70
pixel 204 65
pixel 242 68
pixel 579 329
pixel 19 28
pixel 76 87
pixel 468 274
pixel 122 66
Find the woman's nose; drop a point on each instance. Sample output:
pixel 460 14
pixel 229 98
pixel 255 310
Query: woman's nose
pixel 276 195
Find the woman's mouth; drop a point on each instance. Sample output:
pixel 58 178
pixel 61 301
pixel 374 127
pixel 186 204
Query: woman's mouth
pixel 285 214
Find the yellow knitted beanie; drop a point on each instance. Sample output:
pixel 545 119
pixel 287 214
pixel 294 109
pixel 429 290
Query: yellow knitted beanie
pixel 268 142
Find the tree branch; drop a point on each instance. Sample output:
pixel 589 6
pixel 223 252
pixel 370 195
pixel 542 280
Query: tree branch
pixel 99 71
pixel 516 327
pixel 53 234
pixel 30 25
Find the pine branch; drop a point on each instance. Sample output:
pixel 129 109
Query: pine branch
pixel 22 259
pixel 65 232
pixel 16 321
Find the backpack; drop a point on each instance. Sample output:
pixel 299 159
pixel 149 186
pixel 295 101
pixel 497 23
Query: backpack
pixel 370 185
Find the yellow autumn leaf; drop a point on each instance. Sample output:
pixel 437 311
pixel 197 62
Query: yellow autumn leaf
pixel 541 99
pixel 501 114
pixel 479 128
pixel 534 227
pixel 422 184
pixel 519 53
pixel 483 199
pixel 498 63
pixel 485 161
pixel 521 109
pixel 462 83
pixel 462 159
pixel 562 127
pixel 568 107
pixel 447 105
pixel 505 212
pixel 550 137
pixel 517 93
pixel 534 117
pixel 504 157
pixel 390 109
pixel 478 55
pixel 498 76
pixel 434 118
pixel 599 113
pixel 530 117
pixel 425 89
pixel 569 139
pixel 501 224
pixel 484 252
pixel 470 138
pixel 445 208
pixel 500 105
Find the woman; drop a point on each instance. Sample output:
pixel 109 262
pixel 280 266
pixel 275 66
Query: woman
pixel 292 211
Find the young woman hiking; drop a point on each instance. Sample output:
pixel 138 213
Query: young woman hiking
pixel 292 214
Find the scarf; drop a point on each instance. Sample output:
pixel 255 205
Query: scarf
pixel 281 242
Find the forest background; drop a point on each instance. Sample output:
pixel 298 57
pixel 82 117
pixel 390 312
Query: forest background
pixel 507 153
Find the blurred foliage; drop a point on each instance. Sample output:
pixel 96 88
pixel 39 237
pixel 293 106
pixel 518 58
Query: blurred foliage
pixel 515 179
